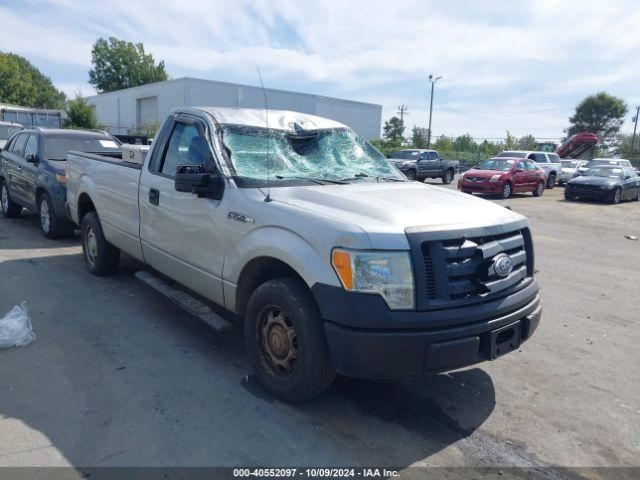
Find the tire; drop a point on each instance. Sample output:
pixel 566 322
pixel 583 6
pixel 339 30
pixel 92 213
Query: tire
pixel 288 306
pixel 637 199
pixel 411 175
pixel 447 178
pixel 506 191
pixel 614 197
pixel 10 209
pixel 51 225
pixel 569 196
pixel 539 190
pixel 101 257
pixel 551 181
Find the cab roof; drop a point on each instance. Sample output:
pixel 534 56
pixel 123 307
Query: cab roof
pixel 277 119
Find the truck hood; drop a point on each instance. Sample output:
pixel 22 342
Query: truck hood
pixel 384 209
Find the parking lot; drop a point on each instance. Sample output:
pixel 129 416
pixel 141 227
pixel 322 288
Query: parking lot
pixel 118 376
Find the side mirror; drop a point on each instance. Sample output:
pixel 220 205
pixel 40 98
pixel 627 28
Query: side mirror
pixel 193 179
pixel 32 158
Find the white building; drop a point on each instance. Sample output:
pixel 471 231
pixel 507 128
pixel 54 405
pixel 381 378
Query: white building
pixel 131 109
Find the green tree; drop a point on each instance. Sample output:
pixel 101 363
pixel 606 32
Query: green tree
pixel 79 114
pixel 386 147
pixel 393 130
pixel 22 84
pixel 623 148
pixel 510 142
pixel 528 142
pixel 118 64
pixel 419 137
pixel 465 143
pixel 443 144
pixel 602 114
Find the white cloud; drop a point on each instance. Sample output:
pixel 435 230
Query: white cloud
pixel 520 66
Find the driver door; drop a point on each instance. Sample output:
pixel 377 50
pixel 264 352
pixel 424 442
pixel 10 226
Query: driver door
pixel 520 181
pixel 428 164
pixel 182 235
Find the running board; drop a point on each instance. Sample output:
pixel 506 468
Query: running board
pixel 185 301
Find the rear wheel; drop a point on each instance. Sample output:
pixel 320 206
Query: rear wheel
pixel 102 258
pixel 51 225
pixel 551 181
pixel 506 190
pixel 539 190
pixel 10 209
pixel 447 178
pixel 285 341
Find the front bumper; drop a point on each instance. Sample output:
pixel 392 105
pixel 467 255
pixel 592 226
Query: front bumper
pixel 410 343
pixel 595 194
pixel 480 187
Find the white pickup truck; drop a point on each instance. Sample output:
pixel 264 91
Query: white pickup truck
pixel 328 256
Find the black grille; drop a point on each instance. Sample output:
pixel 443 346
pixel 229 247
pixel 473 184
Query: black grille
pixel 461 269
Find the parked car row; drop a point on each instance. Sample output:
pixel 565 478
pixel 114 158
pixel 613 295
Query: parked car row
pixel 325 254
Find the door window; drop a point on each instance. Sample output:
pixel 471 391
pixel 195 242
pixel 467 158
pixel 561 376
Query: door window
pixel 553 158
pixel 531 167
pixel 520 165
pixel 18 144
pixel 540 158
pixel 32 146
pixel 187 145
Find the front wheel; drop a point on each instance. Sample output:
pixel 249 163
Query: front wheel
pixel 506 191
pixel 447 178
pixel 569 196
pixel 10 209
pixel 285 341
pixel 101 257
pixel 411 174
pixel 614 197
pixel 551 181
pixel 539 190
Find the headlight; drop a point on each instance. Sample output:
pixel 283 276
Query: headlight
pixel 388 274
pixel 605 187
pixel 494 179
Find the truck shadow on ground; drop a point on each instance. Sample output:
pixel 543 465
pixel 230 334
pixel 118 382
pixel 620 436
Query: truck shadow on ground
pixel 119 376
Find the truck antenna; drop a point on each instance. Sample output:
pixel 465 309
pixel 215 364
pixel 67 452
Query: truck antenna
pixel 267 197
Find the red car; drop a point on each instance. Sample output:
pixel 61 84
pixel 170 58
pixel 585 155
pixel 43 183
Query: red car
pixel 577 144
pixel 503 176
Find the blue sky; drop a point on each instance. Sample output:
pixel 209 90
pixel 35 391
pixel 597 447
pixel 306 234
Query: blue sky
pixel 520 66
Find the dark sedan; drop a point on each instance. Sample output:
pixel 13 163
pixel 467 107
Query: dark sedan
pixel 608 183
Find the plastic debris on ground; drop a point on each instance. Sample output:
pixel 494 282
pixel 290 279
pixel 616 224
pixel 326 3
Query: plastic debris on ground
pixel 15 327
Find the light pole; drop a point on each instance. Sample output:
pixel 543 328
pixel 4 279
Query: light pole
pixel 433 82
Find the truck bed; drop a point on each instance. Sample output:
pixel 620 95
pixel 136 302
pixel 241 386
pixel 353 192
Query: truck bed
pixel 112 186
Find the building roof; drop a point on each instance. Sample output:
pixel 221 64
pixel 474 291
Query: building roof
pixel 277 119
pixel 241 85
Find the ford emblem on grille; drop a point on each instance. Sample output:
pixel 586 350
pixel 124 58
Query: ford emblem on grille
pixel 503 264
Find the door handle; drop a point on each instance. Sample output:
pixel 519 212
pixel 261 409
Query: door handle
pixel 154 196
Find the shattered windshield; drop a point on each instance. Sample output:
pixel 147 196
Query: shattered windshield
pixel 320 156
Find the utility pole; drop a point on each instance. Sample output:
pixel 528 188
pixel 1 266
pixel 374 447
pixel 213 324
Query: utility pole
pixel 635 127
pixel 402 109
pixel 433 82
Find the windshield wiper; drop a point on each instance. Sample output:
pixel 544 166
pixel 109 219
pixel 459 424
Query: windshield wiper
pixel 319 181
pixel 362 175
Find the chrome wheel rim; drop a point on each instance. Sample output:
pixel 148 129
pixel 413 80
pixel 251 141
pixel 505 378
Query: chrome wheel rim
pixel 506 191
pixel 540 188
pixel 91 246
pixel 449 177
pixel 279 341
pixel 45 216
pixel 5 198
pixel 617 196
